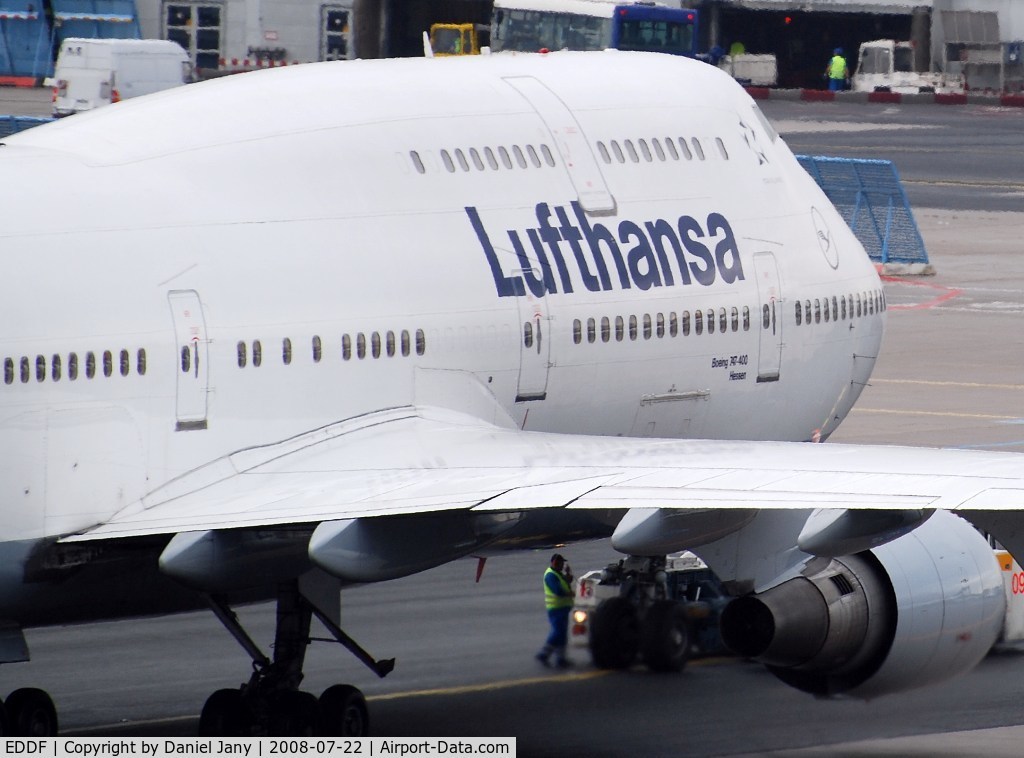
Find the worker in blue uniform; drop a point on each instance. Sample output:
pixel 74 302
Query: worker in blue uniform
pixel 558 598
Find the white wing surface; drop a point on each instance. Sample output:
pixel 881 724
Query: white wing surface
pixel 416 460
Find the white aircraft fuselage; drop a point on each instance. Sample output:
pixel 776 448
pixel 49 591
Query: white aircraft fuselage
pixel 611 244
pixel 285 332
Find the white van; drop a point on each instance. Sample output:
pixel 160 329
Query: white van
pixel 885 65
pixel 95 72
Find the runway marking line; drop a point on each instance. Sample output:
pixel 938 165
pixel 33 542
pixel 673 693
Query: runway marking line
pixel 461 690
pixel 574 676
pixel 948 293
pixel 934 383
pixel 989 445
pixel 945 414
pixel 86 730
pixel 491 686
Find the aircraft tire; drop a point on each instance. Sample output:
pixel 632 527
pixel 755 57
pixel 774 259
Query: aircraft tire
pixel 294 714
pixel 30 713
pixel 343 712
pixel 614 634
pixel 225 715
pixel 664 637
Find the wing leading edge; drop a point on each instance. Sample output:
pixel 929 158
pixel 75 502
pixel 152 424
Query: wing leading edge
pixel 416 460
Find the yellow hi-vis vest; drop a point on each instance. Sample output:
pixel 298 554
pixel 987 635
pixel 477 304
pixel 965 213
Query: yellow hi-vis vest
pixel 551 600
pixel 837 67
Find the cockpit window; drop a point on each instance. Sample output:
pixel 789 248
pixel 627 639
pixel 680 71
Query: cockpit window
pixel 765 123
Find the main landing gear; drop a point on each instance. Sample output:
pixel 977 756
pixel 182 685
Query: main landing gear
pixel 28 712
pixel 271 703
pixel 643 620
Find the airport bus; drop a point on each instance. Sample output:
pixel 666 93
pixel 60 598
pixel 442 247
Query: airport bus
pixel 534 25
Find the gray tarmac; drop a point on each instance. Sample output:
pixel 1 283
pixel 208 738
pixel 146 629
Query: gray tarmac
pixel 26 101
pixel 951 373
pixel 958 157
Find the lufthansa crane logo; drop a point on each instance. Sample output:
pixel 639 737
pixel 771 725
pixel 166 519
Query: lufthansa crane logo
pixel 826 241
pixel 750 137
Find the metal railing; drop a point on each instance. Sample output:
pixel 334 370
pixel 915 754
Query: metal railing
pixel 870 197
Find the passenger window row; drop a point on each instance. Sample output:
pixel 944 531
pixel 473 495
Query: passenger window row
pixel 673 149
pixel 375 345
pixel 486 158
pixel 646 150
pixel 839 308
pixel 54 367
pixel 661 325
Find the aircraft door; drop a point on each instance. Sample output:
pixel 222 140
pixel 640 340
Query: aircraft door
pixel 192 360
pixel 534 348
pixel 769 294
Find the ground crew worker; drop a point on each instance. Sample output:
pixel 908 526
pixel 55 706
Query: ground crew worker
pixel 836 72
pixel 558 597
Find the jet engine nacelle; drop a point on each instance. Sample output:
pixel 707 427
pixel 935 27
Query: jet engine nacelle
pixel 912 612
pixel 376 549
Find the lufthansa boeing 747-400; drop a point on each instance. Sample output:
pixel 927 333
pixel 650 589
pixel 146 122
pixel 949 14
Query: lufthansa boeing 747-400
pixel 275 334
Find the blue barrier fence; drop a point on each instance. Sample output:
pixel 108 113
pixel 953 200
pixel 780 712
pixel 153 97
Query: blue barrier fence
pixel 24 39
pixel 30 37
pixel 870 197
pixel 11 124
pixel 95 19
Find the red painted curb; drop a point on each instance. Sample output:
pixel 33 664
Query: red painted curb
pixel 827 96
pixel 18 81
pixel 885 97
pixel 817 95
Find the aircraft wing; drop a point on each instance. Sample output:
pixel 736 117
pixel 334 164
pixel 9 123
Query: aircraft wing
pixel 415 460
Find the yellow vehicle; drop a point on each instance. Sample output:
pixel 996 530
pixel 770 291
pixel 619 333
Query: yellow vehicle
pixel 454 39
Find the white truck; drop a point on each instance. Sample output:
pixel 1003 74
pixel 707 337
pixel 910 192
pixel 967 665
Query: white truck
pixel 1013 585
pixel 752 70
pixel 95 72
pixel 886 65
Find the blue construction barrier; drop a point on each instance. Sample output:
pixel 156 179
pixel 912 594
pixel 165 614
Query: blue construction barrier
pixel 29 43
pixel 24 39
pixel 870 197
pixel 95 19
pixel 11 124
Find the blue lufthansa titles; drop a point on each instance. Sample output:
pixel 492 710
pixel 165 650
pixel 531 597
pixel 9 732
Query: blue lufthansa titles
pixel 588 247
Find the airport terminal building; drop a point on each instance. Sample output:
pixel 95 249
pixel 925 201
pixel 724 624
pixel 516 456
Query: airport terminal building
pixel 980 38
